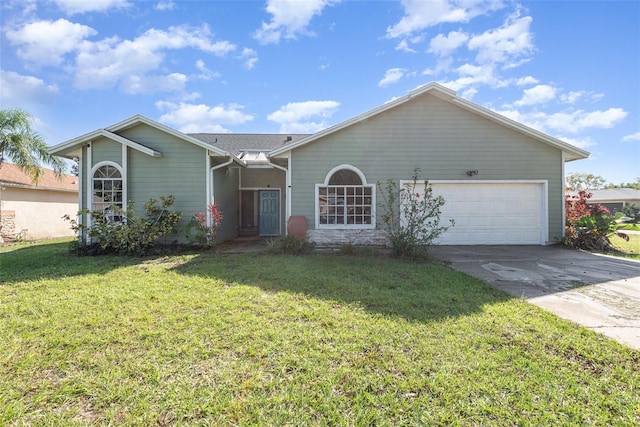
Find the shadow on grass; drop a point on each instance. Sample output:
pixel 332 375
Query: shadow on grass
pixel 52 260
pixel 416 291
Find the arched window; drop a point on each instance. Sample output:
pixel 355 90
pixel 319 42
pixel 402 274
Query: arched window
pixel 345 200
pixel 107 191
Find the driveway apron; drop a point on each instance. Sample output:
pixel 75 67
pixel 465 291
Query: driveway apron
pixel 599 292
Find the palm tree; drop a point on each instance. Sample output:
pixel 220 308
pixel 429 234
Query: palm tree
pixel 20 143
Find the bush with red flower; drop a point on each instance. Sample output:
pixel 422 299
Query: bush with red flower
pixel 203 227
pixel 588 226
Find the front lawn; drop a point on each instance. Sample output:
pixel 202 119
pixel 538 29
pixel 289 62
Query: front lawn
pixel 253 339
pixel 627 249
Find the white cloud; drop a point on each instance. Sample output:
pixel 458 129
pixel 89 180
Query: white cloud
pixel 165 5
pixel 250 58
pixel 46 42
pixel 420 14
pixel 296 117
pixel 72 7
pixel 393 75
pixel 21 91
pixel 568 121
pixel 571 97
pixel 205 73
pixel 505 47
pixel 472 75
pixel 505 44
pixel 632 137
pixel 469 93
pixel 528 80
pixel 289 18
pixel 537 95
pixel 404 47
pixel 579 142
pixel 136 84
pixel 444 45
pixel 192 118
pixel 111 61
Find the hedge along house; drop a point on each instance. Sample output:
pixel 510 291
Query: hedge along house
pixel 503 182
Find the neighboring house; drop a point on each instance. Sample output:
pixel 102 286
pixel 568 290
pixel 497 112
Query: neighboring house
pixel 615 199
pixel 502 181
pixel 34 211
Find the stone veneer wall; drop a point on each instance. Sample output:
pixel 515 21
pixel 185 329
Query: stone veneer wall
pixel 341 237
pixel 8 223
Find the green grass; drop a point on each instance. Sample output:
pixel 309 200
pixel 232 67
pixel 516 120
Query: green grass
pixel 253 339
pixel 632 227
pixel 627 249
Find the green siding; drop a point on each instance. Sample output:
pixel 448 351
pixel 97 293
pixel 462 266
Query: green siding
pixel 181 172
pixel 443 140
pixel 226 197
pixel 104 149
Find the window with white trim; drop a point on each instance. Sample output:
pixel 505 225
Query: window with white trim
pixel 107 191
pixel 345 200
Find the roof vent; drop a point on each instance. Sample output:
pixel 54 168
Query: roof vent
pixel 289 138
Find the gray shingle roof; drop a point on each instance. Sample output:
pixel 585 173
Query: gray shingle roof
pixel 237 143
pixel 614 193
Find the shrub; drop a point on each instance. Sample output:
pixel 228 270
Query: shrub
pixel 632 212
pixel 588 226
pixel 411 220
pixel 131 234
pixel 198 231
pixel 290 245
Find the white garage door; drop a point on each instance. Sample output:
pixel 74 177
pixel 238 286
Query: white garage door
pixel 492 213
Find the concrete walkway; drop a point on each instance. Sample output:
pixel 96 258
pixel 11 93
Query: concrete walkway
pixel 599 292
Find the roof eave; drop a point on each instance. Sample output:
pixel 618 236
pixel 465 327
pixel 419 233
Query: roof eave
pixel 571 153
pixel 63 148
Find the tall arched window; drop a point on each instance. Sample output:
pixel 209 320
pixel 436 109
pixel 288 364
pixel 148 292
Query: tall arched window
pixel 345 200
pixel 107 191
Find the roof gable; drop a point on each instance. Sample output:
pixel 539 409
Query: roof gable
pixel 614 194
pixel 111 132
pixel 570 152
pixel 68 147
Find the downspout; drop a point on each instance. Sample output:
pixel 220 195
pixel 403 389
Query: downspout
pixel 564 190
pixel 212 193
pixel 287 191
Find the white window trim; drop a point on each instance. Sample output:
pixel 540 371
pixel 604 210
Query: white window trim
pixel 122 177
pixel 345 226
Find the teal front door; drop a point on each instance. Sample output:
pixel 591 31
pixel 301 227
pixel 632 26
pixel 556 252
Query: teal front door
pixel 269 212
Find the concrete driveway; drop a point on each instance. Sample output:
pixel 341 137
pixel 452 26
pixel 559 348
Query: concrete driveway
pixel 598 292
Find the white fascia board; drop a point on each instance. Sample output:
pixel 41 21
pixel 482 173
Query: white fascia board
pixel 571 152
pixel 87 138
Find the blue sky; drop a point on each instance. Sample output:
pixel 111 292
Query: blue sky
pixel 568 68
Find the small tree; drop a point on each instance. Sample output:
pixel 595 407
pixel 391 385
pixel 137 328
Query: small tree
pixel 410 219
pixel 585 181
pixel 588 226
pixel 23 145
pixel 200 231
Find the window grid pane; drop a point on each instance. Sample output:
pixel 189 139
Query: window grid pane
pixel 344 204
pixel 107 191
